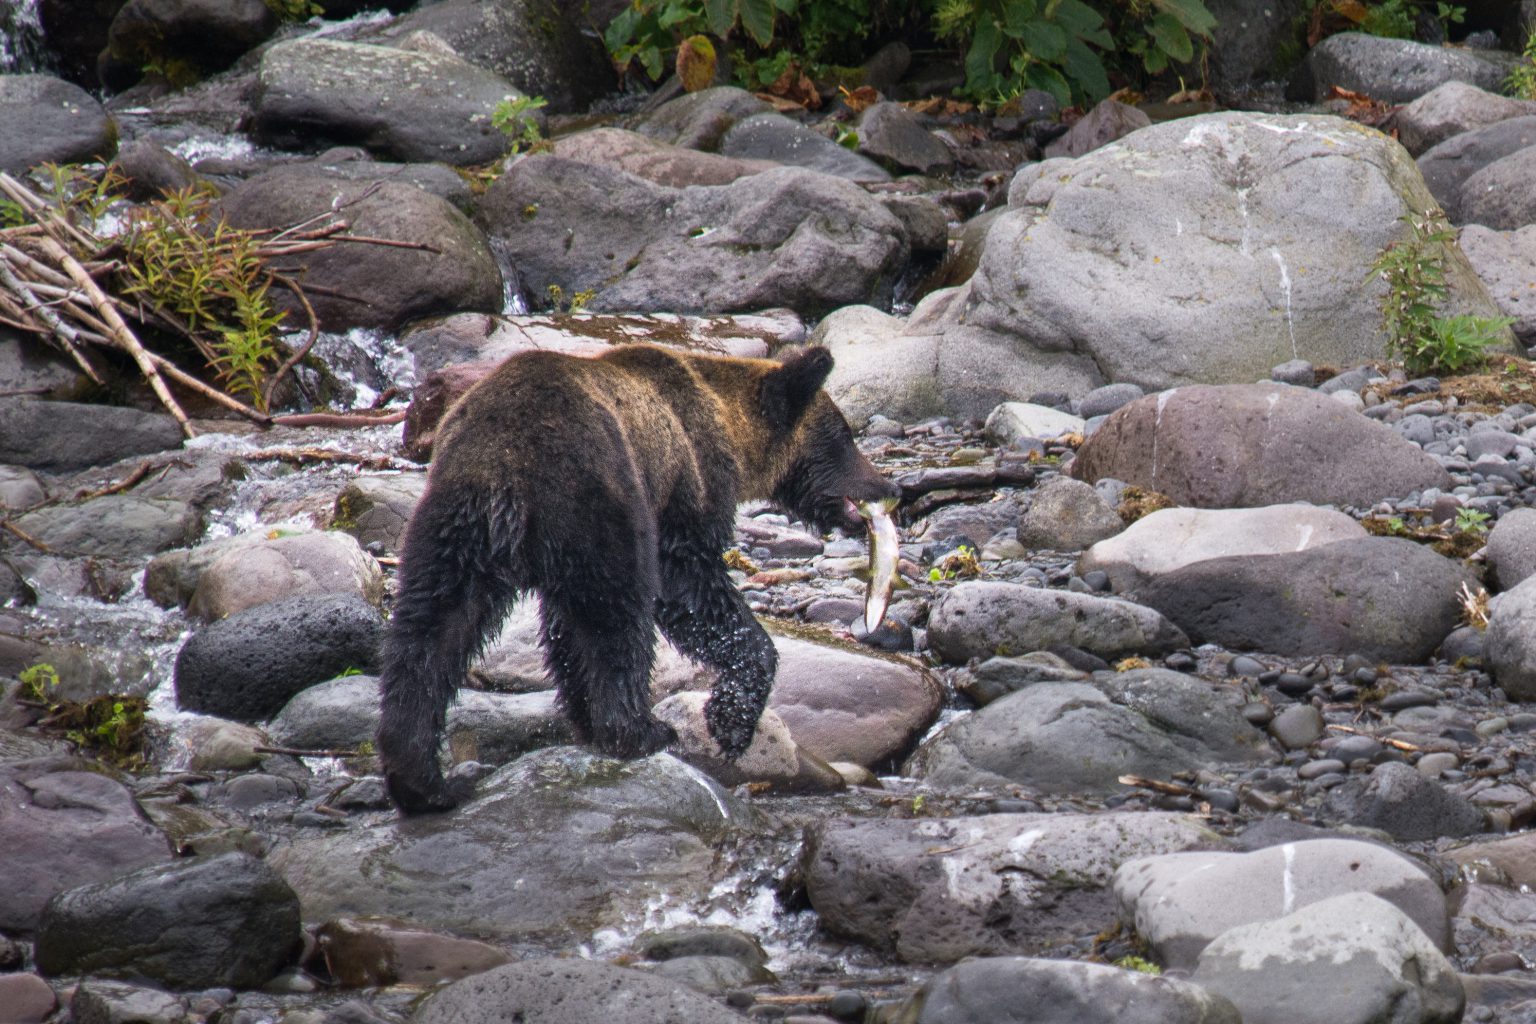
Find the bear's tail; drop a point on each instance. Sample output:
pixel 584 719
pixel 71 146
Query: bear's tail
pixel 460 573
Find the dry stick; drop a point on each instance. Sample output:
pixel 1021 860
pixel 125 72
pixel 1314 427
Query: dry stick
pixel 120 332
pixel 1399 744
pixel 143 470
pixel 342 420
pixel 302 351
pixel 186 380
pixel 63 333
pixel 6 524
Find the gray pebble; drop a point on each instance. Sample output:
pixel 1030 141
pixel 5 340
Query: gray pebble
pixel 1320 767
pixel 1297 727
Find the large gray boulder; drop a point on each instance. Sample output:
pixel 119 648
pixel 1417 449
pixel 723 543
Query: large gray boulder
pixel 1384 598
pixel 1453 108
pixel 777 138
pixel 121 526
pixel 1506 261
pixel 1351 959
pixel 1510 642
pixel 1255 444
pixel 570 991
pixel 543 47
pixel 451 267
pixel 654 160
pixel 1397 70
pixel 227 920
pixel 1179 902
pixel 982 618
pixel 64 436
pixel 1008 989
pixel 48 120
pixel 1073 738
pixel 1203 250
pixel 1502 195
pixel 556 846
pixel 1448 165
pixel 761 241
pixel 417 105
pixel 936 890
pixel 65 829
pixel 207 35
pixel 1171 538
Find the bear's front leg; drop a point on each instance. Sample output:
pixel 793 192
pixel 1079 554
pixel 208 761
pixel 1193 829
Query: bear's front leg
pixel 706 618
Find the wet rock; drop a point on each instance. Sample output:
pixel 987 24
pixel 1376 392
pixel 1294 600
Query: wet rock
pixel 1297 727
pixel 777 138
pixel 150 171
pixel 416 105
pixel 335 714
pixel 1253 445
pixel 567 991
pixel 653 160
pixel 1383 598
pixel 979 619
pixel 265 569
pixel 555 846
pixel 1501 195
pixel 123 526
pixel 1450 109
pixel 1072 738
pixel 1179 902
pixel 1506 261
pixel 1399 801
pixel 375 509
pixel 1448 165
pixel 214 745
pixel 1107 121
pixel 204 36
pixel 700 120
pixel 355 164
pixel 759 242
pixel 1067 515
pixel 99 1001
pixel 1396 70
pixel 844 705
pixel 1170 539
pixel 892 135
pixel 47 120
pixel 1060 992
pixel 702 940
pixel 360 285
pixel 375 952
pixel 226 920
pixel 63 436
pixel 1305 967
pixel 249 665
pixel 541 48
pixel 773 757
pixel 936 890
pixel 712 975
pixel 1513 858
pixel 481 338
pixel 1491 924
pixel 998 677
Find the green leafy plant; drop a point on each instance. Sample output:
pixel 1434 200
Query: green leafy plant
pixel 211 276
pixel 1470 520
pixel 1392 19
pixel 514 116
pixel 647 31
pixel 38 682
pixel 1522 77
pixel 112 725
pixel 1413 269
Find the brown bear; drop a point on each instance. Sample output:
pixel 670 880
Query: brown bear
pixel 609 486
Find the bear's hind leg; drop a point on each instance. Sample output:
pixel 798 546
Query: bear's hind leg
pixel 457 581
pixel 709 621
pixel 600 655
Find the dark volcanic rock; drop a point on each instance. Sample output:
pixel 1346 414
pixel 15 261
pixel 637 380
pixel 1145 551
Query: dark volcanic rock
pixel 226 920
pixel 45 119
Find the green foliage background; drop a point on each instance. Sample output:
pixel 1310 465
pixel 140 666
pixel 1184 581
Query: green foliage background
pixel 1066 47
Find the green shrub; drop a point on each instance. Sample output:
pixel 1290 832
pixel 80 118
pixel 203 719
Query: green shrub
pixel 1522 78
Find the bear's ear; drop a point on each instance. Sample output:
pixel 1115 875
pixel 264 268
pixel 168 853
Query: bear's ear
pixel 787 391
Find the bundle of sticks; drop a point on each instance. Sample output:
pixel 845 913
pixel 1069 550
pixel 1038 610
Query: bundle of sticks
pixel 57 282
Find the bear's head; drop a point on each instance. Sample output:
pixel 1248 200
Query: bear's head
pixel 824 477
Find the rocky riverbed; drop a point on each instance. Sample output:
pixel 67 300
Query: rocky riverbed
pixel 1194 705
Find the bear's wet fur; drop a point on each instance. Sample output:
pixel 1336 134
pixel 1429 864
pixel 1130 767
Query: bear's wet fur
pixel 609 486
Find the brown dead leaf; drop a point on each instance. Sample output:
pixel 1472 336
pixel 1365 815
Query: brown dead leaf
pixel 1363 109
pixel 795 86
pixel 939 106
pixel 860 99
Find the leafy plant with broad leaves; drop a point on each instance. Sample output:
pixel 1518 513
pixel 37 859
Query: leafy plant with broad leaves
pixel 647 31
pixel 1522 77
pixel 1413 269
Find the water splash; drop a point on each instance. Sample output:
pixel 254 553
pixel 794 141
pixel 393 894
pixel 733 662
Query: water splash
pixel 513 302
pixel 22 46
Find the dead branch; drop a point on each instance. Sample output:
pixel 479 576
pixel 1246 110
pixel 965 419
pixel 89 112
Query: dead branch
pixel 6 524
pixel 301 351
pixel 126 483
pixel 344 420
